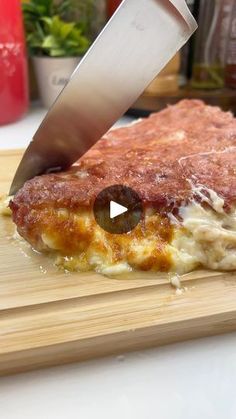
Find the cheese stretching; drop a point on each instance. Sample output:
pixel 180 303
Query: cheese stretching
pixel 181 162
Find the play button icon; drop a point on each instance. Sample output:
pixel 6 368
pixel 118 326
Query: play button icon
pixel 118 209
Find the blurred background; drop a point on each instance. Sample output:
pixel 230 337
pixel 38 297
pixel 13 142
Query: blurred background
pixel 42 41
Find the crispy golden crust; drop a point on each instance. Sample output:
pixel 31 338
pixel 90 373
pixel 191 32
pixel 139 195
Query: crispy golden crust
pixel 161 158
pixel 156 157
pixel 68 233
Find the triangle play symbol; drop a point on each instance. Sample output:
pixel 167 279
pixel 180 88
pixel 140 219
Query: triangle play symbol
pixel 116 209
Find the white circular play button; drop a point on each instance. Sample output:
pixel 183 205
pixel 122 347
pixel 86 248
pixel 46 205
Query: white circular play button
pixel 118 209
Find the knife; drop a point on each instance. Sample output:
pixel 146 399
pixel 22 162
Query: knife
pixel 138 41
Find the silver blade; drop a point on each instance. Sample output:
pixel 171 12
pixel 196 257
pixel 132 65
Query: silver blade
pixel 135 45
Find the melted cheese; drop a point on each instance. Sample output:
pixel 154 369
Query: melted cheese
pixel 94 249
pixel 205 237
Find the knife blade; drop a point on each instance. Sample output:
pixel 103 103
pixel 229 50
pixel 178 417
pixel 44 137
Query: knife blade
pixel 138 41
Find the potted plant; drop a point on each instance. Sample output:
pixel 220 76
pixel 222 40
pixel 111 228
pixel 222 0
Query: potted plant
pixel 55 44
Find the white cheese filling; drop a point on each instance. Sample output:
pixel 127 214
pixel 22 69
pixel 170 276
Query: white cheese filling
pixel 204 238
pixel 207 237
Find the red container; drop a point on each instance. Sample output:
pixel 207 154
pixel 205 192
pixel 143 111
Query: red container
pixel 13 63
pixel 112 6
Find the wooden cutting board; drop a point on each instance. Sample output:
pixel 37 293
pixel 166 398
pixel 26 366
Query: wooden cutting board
pixel 48 317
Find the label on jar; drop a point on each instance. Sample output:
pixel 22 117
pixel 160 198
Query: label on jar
pixel 58 79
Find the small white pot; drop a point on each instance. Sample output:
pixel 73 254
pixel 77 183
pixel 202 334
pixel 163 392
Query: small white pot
pixel 52 75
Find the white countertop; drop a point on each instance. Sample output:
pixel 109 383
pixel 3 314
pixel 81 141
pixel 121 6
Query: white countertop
pixel 191 380
pixel 19 134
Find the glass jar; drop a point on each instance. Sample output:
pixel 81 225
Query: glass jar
pixel 230 69
pixel 211 43
pixel 13 63
pixel 186 52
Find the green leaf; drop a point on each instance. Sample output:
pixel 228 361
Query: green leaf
pixel 50 42
pixel 48 33
pixel 48 21
pixel 58 52
pixel 66 29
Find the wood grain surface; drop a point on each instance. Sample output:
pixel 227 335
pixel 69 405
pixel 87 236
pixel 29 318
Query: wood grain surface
pixel 48 317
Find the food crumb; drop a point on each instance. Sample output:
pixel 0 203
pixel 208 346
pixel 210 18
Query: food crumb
pixel 179 291
pixel 175 281
pixel 42 270
pixel 4 205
